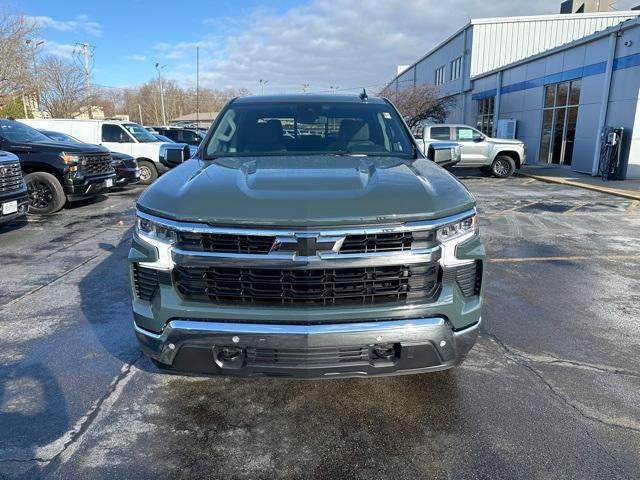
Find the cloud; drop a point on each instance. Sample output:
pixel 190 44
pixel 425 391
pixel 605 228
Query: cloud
pixel 81 23
pixel 177 51
pixel 136 58
pixel 340 42
pixel 63 50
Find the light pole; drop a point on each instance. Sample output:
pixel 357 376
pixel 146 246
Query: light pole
pixel 305 87
pixel 164 115
pixel 34 46
pixel 262 83
pixel 333 88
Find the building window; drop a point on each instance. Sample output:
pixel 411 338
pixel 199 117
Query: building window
pixel 439 75
pixel 559 119
pixel 484 118
pixel 456 68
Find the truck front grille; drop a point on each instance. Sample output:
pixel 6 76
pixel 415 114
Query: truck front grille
pixel 224 243
pixel 308 357
pixel 386 242
pixel 339 286
pixel 10 177
pixel 95 164
pixel 262 244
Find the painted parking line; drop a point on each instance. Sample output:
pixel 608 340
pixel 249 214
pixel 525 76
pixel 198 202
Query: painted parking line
pixel 572 258
pixel 633 206
pixel 513 209
pixel 575 207
pixel 531 180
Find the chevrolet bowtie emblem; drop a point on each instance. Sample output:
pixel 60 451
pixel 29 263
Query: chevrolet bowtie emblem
pixel 307 245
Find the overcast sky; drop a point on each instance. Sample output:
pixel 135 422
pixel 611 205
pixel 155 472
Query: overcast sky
pixel 343 43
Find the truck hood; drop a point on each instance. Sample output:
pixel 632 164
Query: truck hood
pixel 305 191
pixel 504 141
pixel 66 147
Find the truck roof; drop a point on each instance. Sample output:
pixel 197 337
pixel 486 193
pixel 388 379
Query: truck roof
pixel 307 98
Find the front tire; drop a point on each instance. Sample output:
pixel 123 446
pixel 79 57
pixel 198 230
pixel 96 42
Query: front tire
pixel 503 166
pixel 46 194
pixel 148 172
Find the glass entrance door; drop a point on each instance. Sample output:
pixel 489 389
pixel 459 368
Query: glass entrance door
pixel 559 119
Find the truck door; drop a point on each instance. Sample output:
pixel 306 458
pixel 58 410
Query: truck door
pixel 474 147
pixel 116 138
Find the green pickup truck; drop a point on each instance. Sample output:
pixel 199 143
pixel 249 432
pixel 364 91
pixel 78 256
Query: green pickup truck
pixel 309 237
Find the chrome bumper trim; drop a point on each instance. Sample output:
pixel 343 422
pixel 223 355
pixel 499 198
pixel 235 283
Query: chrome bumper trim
pixel 451 346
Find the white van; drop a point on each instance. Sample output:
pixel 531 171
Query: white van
pixel 154 157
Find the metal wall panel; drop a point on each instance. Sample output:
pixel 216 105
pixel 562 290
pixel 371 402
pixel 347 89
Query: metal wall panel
pixel 499 42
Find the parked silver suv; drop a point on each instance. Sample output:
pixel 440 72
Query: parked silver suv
pixel 497 156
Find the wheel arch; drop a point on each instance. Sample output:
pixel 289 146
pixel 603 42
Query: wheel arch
pixel 42 167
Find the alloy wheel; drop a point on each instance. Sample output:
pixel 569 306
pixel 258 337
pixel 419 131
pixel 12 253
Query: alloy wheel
pixel 40 194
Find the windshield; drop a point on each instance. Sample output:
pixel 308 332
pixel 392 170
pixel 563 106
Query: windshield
pixel 19 132
pixel 60 137
pixel 297 128
pixel 139 133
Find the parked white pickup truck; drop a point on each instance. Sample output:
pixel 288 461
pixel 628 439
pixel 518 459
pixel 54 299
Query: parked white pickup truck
pixel 497 156
pixel 154 157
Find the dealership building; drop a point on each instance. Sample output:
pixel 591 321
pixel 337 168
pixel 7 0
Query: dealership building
pixel 553 81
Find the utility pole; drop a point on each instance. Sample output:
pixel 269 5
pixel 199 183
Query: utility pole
pixel 164 115
pixel 305 87
pixel 197 87
pixel 262 84
pixel 333 88
pixel 140 111
pixel 86 51
pixel 34 46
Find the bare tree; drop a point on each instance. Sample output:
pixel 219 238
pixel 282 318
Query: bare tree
pixel 14 55
pixel 420 103
pixel 63 87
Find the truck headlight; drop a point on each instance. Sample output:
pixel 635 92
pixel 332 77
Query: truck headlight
pixel 463 228
pixel 451 235
pixel 70 159
pixel 154 231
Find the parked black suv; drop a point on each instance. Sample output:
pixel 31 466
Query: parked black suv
pixel 181 135
pixel 56 172
pixel 14 201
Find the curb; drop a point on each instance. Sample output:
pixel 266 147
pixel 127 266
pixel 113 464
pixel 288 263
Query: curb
pixel 586 186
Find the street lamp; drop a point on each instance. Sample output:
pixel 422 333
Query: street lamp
pixel 33 45
pixel 262 83
pixel 164 115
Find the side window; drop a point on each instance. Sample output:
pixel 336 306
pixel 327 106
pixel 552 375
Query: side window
pixel 465 134
pixel 440 133
pixel 113 133
pixel 172 134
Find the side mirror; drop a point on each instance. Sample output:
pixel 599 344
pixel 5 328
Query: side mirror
pixel 479 139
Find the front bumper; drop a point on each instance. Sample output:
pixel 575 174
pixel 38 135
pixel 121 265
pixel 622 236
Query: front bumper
pixel 78 188
pixel 308 351
pixel 22 197
pixel 127 175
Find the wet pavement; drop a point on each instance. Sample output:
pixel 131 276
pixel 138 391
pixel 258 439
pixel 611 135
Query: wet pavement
pixel 551 389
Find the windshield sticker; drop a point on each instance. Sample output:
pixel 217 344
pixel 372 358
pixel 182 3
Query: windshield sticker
pixel 464 134
pixel 386 115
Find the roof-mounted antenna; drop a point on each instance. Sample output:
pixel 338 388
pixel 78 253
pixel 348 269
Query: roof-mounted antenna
pixel 363 95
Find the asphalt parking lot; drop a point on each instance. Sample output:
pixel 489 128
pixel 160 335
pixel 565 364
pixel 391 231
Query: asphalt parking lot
pixel 551 389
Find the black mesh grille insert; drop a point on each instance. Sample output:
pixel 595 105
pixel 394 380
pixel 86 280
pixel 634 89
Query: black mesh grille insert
pixel 145 281
pixel 10 176
pixel 260 244
pixel 96 164
pixel 308 357
pixel 469 278
pixel 315 286
pixel 224 243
